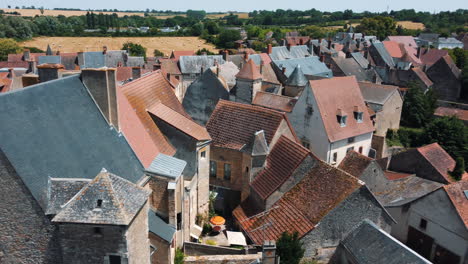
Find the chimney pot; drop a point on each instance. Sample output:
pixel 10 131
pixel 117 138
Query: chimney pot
pixel 269 48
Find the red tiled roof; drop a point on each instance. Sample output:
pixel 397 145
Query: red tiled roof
pixel 274 101
pixel 409 55
pixel 124 73
pixel 176 54
pixel 232 125
pixel 393 48
pixel 19 57
pixel 355 163
pixel 293 41
pixel 431 56
pixel 341 93
pixel 14 64
pixel 265 58
pixel 455 191
pixel 147 91
pixel 5 82
pixel 407 40
pixel 439 159
pixel 448 60
pixel 282 161
pixel 422 76
pixel 446 111
pixel 392 175
pixel 180 122
pixel 249 71
pixel 169 66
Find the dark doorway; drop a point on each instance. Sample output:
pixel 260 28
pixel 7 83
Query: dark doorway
pixel 444 256
pixel 419 242
pixel 113 259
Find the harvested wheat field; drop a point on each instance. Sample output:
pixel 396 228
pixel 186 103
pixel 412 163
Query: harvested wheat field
pixel 411 25
pixel 75 44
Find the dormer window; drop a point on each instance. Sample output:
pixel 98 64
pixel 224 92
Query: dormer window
pixel 99 203
pixel 358 114
pixel 341 117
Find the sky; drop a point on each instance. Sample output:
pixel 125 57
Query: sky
pixel 247 5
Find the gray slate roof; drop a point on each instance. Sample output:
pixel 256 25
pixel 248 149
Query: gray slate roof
pixel 376 93
pixel 300 51
pixel 297 77
pixel 60 191
pixel 360 59
pixel 49 59
pixel 160 228
pixel 280 53
pixel 133 61
pixel 309 66
pixel 368 244
pixel 93 59
pixel 350 67
pixel 193 64
pixel 256 58
pixel 54 129
pixel 120 199
pixel 379 46
pixel 168 166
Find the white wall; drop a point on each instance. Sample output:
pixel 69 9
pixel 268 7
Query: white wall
pixel 341 146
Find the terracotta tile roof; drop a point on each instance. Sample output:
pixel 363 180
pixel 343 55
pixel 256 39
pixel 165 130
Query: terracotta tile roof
pixel 14 64
pixel 302 207
pixel 392 175
pixel 431 56
pixel 355 163
pixel 406 40
pixel 293 41
pixel 282 161
pixel 448 60
pixel 284 218
pixel 446 111
pixel 274 101
pixel 265 58
pixel 409 55
pixel 19 57
pixel 439 159
pixel 124 73
pixel 182 123
pixel 458 194
pixel 249 71
pixel 176 54
pixel 422 76
pixel 341 93
pixel 232 125
pixel 169 66
pixel 269 74
pixel 147 91
pixel 393 48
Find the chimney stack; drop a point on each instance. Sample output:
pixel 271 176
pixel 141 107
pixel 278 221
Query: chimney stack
pixel 261 67
pixel 136 73
pixel 246 56
pixel 284 70
pixel 102 85
pixel 269 252
pixel 418 54
pixel 49 71
pixel 104 49
pixel 322 58
pixel 225 55
pixel 329 43
pixel 269 48
pixel 26 55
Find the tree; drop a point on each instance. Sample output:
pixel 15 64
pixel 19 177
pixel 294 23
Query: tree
pixel 204 51
pixel 418 108
pixel 135 49
pixel 450 133
pixel 464 82
pixel 8 46
pixel 289 248
pixel 158 53
pixel 212 27
pixel 179 256
pixel 459 169
pixel 196 14
pixel 227 37
pixel 377 26
pixel 196 29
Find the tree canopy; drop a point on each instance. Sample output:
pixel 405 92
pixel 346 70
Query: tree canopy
pixel 289 248
pixel 8 46
pixel 418 107
pixel 377 26
pixel 135 49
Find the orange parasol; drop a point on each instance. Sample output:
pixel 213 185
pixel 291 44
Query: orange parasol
pixel 217 220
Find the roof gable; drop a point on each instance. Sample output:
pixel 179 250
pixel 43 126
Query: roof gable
pixel 274 101
pixel 377 93
pixel 355 163
pixel 249 71
pixel 439 159
pixel 458 194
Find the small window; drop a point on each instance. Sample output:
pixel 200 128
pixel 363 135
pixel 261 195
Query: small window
pixel 335 156
pixel 360 150
pixel 310 110
pixel 349 149
pixel 213 168
pixel 179 221
pixel 153 250
pixel 351 140
pixel 114 259
pixel 246 169
pixel 203 154
pixel 99 203
pixel 423 224
pixel 358 116
pixel 97 231
pixel 227 171
pixel 342 120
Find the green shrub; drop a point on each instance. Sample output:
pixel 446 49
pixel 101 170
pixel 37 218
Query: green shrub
pixel 210 242
pixel 179 256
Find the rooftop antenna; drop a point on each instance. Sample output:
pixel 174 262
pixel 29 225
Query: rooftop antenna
pixel 268 221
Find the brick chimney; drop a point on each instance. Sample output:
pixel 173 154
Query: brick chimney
pixel 136 73
pixel 269 48
pixel 104 49
pixel 101 83
pixel 269 252
pixel 261 67
pixel 246 56
pixel 225 54
pixel 418 54
pixel 49 71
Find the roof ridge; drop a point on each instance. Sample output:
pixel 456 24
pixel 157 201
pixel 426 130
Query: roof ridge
pixel 249 106
pixel 116 197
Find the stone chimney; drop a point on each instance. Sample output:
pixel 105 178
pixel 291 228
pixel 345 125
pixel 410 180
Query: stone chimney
pixel 102 85
pixel 136 73
pixel 269 49
pixel 31 66
pixel 26 55
pixel 49 71
pixel 225 54
pixel 261 67
pixel 283 42
pixel 329 43
pixel 104 50
pixel 418 54
pixel 269 252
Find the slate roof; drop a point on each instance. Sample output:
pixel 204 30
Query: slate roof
pixel 282 161
pixel 60 191
pixel 256 58
pixel 194 64
pixel 355 163
pixel 134 61
pixel 167 166
pixel 431 56
pixel 376 93
pixel 49 59
pixel 227 72
pixel 446 111
pixel 274 101
pixel 160 228
pixel 350 67
pixel 279 53
pixel 297 77
pixel 301 51
pixel 19 57
pixel 65 134
pixel 249 71
pixel 91 60
pixel 360 59
pixel 457 193
pixel 380 48
pixel 232 125
pixel 340 93
pixel 309 66
pixel 429 36
pixel 121 201
pixel 144 93
pixel 368 244
pixel 179 121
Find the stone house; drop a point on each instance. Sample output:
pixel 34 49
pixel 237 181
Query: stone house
pixel 171 71
pixel 248 83
pixel 435 225
pixel 386 102
pixel 319 201
pixel 330 118
pixel 192 67
pixel 241 137
pixel 446 78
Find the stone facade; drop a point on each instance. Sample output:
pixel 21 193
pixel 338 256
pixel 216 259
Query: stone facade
pixel 137 238
pixel 247 89
pixel 387 115
pixel 163 254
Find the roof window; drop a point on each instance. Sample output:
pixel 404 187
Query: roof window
pixel 341 117
pixel 358 114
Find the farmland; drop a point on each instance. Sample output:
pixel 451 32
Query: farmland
pixel 74 44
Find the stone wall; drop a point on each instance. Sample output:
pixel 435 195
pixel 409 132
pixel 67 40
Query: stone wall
pixel 231 259
pixel 159 196
pixel 162 255
pixel 137 238
pixel 196 249
pixel 26 234
pixel 235 158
